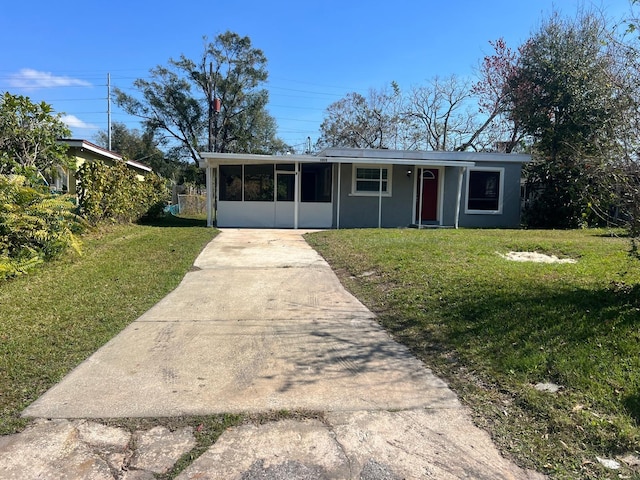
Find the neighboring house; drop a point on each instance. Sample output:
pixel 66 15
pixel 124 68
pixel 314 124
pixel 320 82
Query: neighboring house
pixel 83 151
pixel 364 188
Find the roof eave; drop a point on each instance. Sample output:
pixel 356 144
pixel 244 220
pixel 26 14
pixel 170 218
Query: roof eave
pixel 207 158
pixel 91 147
pixel 369 156
pixel 424 155
pixel 138 165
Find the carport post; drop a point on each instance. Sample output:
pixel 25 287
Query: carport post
pixel 459 194
pixel 209 181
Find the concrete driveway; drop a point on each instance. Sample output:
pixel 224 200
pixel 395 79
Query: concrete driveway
pixel 262 323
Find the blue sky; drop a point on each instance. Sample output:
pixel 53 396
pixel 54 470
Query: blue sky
pixel 318 51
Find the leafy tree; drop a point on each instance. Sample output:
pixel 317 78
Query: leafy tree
pixel 265 140
pixel 180 99
pixel 28 136
pixel 168 106
pixel 621 176
pixel 562 95
pixel 139 146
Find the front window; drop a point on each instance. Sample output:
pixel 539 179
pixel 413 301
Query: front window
pixel 371 180
pixel 484 190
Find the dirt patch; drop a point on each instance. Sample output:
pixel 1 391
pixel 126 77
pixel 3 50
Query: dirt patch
pixel 535 257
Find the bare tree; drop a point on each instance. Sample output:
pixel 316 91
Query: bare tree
pixel 357 121
pixel 440 115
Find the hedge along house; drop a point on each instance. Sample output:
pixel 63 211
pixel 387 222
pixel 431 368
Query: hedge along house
pixel 363 188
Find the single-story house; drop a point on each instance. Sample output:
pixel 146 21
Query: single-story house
pixel 83 151
pixel 363 188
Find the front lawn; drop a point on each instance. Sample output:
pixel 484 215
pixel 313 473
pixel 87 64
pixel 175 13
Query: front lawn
pixel 55 317
pixel 495 328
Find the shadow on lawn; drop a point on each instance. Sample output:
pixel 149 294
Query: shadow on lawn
pixel 579 338
pixel 632 404
pixel 571 314
pixel 173 221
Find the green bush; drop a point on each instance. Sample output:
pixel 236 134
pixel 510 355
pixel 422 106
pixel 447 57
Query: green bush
pixel 114 193
pixel 34 226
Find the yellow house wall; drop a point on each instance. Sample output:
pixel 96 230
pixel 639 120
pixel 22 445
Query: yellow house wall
pixel 80 159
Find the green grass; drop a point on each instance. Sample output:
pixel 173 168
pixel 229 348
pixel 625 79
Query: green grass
pixel 206 429
pixel 54 318
pixel 494 328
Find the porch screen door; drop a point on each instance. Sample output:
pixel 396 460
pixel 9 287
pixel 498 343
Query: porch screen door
pixel 285 196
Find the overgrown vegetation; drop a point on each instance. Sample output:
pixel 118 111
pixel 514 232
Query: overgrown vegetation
pixel 574 92
pixel 56 317
pixel 29 134
pixel 34 226
pixel 494 329
pixel 114 193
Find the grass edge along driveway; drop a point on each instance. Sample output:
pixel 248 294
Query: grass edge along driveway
pixel 493 329
pixel 57 316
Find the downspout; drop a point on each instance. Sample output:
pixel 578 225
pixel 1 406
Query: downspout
pixel 338 200
pixel 420 202
pixel 296 195
pixel 380 200
pixel 461 171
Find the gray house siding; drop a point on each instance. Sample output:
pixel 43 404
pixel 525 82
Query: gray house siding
pixel 358 211
pixel 398 210
pixel 510 214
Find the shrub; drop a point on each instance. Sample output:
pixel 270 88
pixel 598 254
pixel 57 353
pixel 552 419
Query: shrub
pixel 34 226
pixel 114 193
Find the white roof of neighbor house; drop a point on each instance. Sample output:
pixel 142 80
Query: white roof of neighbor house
pixel 371 156
pixel 78 143
pixel 84 144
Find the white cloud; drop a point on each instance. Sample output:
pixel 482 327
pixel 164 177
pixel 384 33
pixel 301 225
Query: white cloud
pixel 74 122
pixel 30 78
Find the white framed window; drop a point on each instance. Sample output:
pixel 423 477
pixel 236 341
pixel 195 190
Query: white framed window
pixel 370 179
pixel 485 190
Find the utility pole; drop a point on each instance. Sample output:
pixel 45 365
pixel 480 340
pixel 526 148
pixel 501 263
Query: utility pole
pixel 108 111
pixel 210 101
pixel 214 110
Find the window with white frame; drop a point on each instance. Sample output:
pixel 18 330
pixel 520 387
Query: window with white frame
pixel 370 179
pixel 485 188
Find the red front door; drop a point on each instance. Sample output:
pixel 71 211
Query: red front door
pixel 429 192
